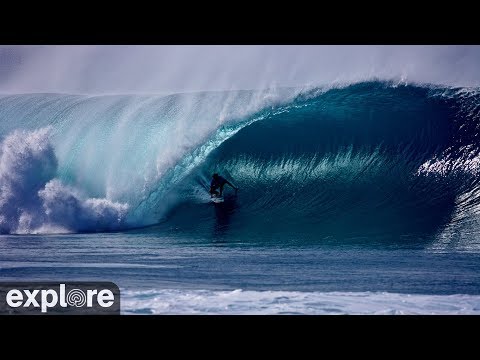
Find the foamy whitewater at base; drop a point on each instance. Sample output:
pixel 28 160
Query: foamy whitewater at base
pixel 33 201
pixel 294 302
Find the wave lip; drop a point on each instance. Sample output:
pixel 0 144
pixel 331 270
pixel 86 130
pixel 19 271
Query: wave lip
pixel 171 301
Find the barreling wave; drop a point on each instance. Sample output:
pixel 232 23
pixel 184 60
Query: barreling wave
pixel 364 160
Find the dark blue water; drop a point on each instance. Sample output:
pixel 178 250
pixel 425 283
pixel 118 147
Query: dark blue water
pixel 140 261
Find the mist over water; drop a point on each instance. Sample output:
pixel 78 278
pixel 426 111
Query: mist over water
pixel 172 69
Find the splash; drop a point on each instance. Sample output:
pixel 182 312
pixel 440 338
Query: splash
pixel 32 200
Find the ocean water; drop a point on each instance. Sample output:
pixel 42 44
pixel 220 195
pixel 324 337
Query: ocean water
pixel 360 199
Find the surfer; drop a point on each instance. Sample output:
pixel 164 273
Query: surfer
pixel 218 182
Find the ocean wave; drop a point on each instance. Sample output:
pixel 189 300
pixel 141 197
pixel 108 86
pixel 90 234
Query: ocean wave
pixel 361 159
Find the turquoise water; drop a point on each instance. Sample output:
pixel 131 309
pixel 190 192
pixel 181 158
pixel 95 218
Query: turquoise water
pixel 366 195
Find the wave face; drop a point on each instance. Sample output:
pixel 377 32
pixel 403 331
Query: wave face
pixel 366 160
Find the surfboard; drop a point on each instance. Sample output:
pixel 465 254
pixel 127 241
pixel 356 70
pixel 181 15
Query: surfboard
pixel 217 199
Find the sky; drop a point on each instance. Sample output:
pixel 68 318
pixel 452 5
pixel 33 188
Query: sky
pixel 113 69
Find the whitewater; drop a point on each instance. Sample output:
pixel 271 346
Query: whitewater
pixel 238 302
pixel 355 198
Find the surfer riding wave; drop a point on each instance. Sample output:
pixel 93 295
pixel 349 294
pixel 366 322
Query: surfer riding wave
pixel 217 183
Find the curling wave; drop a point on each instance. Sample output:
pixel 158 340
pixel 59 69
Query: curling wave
pixel 363 160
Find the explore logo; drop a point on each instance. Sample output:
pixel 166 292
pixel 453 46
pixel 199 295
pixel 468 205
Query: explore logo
pixel 75 298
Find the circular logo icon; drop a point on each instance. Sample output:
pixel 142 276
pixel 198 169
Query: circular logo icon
pixel 76 297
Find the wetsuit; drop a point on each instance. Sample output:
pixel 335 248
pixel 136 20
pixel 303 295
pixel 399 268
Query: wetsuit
pixel 218 182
